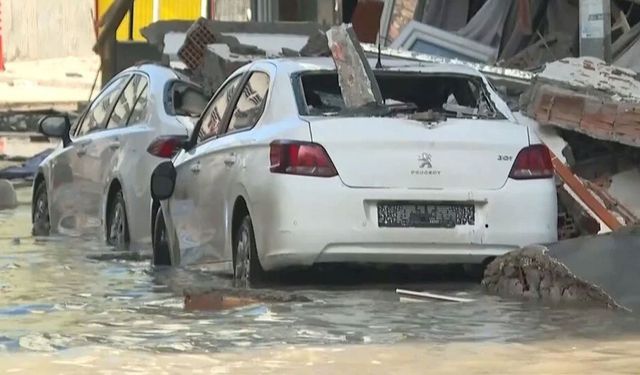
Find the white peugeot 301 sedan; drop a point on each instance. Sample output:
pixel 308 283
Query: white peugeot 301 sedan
pixel 279 174
pixel 97 180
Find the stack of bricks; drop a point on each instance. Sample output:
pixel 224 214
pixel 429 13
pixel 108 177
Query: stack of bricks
pixel 588 97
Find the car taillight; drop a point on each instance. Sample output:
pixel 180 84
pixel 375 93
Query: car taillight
pixel 165 147
pixel 301 158
pixel 532 162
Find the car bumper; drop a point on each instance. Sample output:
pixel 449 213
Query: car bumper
pixel 301 221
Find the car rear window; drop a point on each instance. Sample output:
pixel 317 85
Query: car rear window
pixel 448 94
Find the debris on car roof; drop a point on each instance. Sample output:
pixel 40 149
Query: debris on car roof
pixel 355 77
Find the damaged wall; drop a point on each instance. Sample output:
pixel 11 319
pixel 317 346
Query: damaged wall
pixel 37 29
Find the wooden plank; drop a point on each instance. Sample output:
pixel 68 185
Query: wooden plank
pixel 583 193
pixel 439 297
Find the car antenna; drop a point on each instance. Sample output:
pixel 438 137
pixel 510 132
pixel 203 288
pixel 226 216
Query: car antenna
pixel 379 63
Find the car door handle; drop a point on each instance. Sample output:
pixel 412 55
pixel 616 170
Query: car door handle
pixel 230 160
pixel 115 145
pixel 195 168
pixel 81 146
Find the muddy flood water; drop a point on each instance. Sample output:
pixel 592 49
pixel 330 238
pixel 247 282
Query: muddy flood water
pixel 74 306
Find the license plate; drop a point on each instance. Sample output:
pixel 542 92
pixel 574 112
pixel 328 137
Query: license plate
pixel 425 214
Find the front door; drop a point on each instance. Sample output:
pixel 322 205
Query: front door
pixel 199 170
pixel 228 153
pixel 75 196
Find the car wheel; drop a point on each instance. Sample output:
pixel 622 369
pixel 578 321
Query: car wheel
pixel 475 271
pixel 160 243
pixel 117 224
pixel 246 265
pixel 41 221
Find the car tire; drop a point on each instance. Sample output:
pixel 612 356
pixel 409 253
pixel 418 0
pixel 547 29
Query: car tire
pixel 247 270
pixel 474 271
pixel 41 221
pixel 160 243
pixel 117 223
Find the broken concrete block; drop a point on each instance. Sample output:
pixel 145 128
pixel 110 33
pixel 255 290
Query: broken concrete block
pixel 218 63
pixel 598 271
pixel 317 45
pixel 8 197
pixel 357 82
pixel 230 298
pixel 539 276
pixel 587 96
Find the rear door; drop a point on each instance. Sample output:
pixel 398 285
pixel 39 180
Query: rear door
pixel 123 149
pixel 75 195
pixel 199 172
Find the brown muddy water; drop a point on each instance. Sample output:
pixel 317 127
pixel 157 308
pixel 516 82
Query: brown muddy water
pixel 74 306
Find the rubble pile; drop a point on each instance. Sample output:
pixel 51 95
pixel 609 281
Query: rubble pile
pixel 587 96
pixel 531 273
pixel 212 50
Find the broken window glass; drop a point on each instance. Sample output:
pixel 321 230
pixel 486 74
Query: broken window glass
pixel 451 95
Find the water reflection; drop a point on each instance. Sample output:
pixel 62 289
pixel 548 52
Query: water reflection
pixel 64 293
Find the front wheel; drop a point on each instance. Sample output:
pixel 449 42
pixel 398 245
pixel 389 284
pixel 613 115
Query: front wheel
pixel 117 224
pixel 41 220
pixel 246 265
pixel 161 254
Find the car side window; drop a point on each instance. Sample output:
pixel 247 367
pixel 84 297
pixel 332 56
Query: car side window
pixel 251 103
pixel 212 118
pixel 97 114
pixel 127 104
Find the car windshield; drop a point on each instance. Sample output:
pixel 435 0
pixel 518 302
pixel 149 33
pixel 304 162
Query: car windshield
pixel 419 95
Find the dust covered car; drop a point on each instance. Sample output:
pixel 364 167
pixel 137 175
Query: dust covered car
pixel 279 173
pixel 97 180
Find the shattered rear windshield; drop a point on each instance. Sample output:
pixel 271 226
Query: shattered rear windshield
pixel 444 95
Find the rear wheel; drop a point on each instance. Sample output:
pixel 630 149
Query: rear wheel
pixel 117 224
pixel 161 254
pixel 246 265
pixel 41 221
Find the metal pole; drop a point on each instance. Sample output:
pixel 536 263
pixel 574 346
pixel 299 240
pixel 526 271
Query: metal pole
pixel 595 29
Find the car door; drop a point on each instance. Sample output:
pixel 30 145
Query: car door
pixel 189 204
pixel 74 201
pixel 122 149
pixel 232 148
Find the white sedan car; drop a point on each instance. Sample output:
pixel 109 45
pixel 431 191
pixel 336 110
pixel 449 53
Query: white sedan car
pixel 97 180
pixel 279 174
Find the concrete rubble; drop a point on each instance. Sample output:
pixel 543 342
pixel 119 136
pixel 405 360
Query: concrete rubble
pixel 231 298
pixel 595 270
pixel 8 197
pixel 355 77
pixel 587 96
pixel 211 50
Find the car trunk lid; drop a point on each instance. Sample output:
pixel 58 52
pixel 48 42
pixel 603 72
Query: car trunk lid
pixel 382 152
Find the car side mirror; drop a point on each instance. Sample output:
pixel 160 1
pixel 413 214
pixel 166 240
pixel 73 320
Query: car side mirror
pixel 163 181
pixel 56 126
